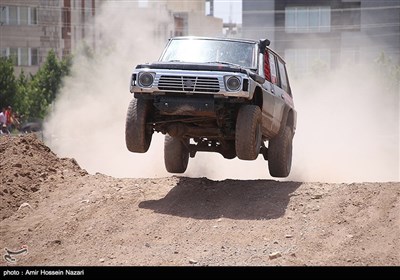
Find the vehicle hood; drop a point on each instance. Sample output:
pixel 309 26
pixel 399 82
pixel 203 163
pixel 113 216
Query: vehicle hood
pixel 193 66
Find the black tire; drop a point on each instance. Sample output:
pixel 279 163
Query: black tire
pixel 228 149
pixel 280 153
pixel 248 132
pixel 137 133
pixel 176 154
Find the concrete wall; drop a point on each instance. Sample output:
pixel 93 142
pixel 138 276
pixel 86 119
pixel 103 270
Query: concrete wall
pixel 258 20
pixel 197 6
pixel 201 25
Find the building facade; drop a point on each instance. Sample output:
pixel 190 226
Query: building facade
pixel 326 32
pixel 29 29
pixel 190 18
pixel 78 23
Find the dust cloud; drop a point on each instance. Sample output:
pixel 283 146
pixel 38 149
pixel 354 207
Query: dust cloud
pixel 87 121
pixel 347 124
pixel 347 131
pixel 348 127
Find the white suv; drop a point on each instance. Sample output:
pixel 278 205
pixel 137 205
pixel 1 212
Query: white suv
pixel 214 95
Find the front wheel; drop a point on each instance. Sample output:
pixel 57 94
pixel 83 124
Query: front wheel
pixel 138 133
pixel 280 153
pixel 228 149
pixel 176 154
pixel 248 132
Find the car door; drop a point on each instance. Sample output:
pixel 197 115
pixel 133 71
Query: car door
pixel 281 89
pixel 272 105
pixel 268 107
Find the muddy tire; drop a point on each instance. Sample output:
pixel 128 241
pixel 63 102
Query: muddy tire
pixel 137 133
pixel 248 132
pixel 176 154
pixel 228 150
pixel 280 153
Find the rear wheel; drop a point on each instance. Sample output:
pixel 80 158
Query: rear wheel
pixel 138 133
pixel 248 132
pixel 280 153
pixel 176 154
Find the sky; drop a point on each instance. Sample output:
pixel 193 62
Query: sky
pixel 228 10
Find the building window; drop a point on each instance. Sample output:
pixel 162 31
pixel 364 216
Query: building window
pixel 33 14
pixel 21 56
pixel 13 54
pixel 283 77
pixel 88 9
pixel 23 16
pixel 305 61
pixel 14 15
pixel 307 19
pixel 3 52
pixel 34 56
pixel 3 15
pixel 181 24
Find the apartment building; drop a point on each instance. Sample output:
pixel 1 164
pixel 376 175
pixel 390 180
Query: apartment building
pixel 30 28
pixel 78 23
pixel 330 32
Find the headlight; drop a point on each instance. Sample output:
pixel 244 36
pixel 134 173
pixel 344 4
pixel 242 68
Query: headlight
pixel 146 79
pixel 232 83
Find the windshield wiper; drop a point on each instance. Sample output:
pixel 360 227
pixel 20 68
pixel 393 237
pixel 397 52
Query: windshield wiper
pixel 225 63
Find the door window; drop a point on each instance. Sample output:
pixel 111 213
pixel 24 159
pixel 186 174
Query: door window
pixel 272 67
pixel 283 77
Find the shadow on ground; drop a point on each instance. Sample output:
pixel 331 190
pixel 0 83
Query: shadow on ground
pixel 201 198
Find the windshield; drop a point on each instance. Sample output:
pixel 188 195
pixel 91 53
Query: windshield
pixel 209 51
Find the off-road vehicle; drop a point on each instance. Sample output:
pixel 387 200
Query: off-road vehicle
pixel 214 95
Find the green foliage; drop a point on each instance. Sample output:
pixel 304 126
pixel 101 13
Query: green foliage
pixel 32 96
pixel 8 84
pixel 45 85
pixel 21 101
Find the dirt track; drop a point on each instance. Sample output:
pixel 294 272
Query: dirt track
pixel 68 217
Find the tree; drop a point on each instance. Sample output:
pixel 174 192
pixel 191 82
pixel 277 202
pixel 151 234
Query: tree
pixel 21 100
pixel 32 96
pixel 45 85
pixel 8 84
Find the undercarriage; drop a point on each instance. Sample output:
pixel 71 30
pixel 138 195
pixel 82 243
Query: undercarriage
pixel 203 124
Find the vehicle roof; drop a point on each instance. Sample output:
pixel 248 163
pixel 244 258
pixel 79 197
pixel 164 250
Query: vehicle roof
pixel 216 38
pixel 251 41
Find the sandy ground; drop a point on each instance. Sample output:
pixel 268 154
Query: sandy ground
pixel 65 216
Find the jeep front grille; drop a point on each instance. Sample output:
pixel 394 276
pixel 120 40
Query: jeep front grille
pixel 188 84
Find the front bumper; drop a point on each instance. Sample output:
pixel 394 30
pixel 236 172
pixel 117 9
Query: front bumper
pixel 191 82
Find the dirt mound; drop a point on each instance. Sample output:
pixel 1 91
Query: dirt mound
pixel 26 165
pixel 63 216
